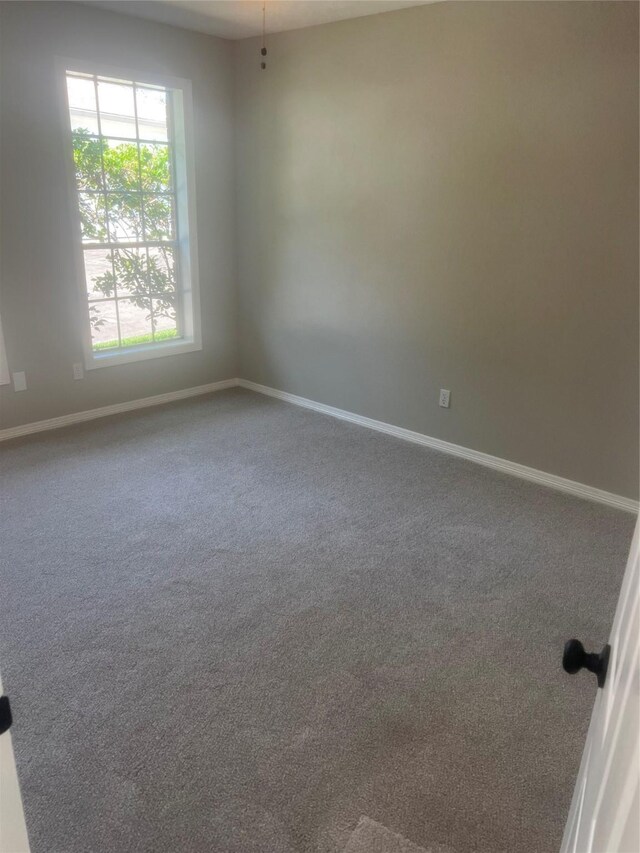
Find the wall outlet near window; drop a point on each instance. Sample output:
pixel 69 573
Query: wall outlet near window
pixel 445 396
pixel 78 371
pixel 20 381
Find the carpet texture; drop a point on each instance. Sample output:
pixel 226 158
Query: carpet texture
pixel 233 625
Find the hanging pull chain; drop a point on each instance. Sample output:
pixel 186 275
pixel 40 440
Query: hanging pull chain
pixel 263 50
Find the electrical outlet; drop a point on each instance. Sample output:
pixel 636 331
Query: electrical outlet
pixel 20 381
pixel 78 371
pixel 445 396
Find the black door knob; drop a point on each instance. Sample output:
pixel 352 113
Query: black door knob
pixel 575 658
pixel 5 715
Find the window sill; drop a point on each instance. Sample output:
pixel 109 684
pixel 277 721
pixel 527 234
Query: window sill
pixel 142 353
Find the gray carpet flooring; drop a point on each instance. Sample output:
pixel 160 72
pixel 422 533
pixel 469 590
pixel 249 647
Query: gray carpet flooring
pixel 237 626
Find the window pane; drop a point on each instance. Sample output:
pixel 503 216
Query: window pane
pixel 93 224
pixel 87 122
pixel 81 92
pixel 130 267
pixel 164 318
pixel 135 321
pixel 104 325
pixel 88 161
pixel 158 217
pixel 125 217
pixel 98 273
pixel 162 276
pixel 154 168
pixel 121 165
pixel 152 113
pixel 117 113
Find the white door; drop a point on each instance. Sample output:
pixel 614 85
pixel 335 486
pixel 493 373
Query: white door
pixel 605 811
pixel 13 833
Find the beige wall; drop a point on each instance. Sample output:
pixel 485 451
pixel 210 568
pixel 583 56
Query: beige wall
pixel 37 274
pixel 447 196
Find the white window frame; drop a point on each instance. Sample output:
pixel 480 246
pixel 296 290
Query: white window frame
pixel 186 242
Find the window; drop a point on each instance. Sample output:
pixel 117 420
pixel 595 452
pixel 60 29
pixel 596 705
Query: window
pixel 134 204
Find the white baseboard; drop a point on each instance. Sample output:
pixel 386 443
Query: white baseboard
pixel 115 409
pixel 513 468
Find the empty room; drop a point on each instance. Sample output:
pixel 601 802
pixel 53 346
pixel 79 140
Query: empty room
pixel 319 426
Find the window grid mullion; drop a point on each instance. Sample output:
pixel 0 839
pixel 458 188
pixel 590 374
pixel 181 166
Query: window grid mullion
pixel 106 208
pixel 179 289
pixel 133 244
pixel 115 297
pixel 128 192
pixel 142 219
pixel 102 170
pixel 129 139
pixel 153 295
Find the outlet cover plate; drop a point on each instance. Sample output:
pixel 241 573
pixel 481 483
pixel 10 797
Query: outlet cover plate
pixel 20 381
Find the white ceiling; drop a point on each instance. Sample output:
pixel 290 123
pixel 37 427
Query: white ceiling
pixel 237 19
